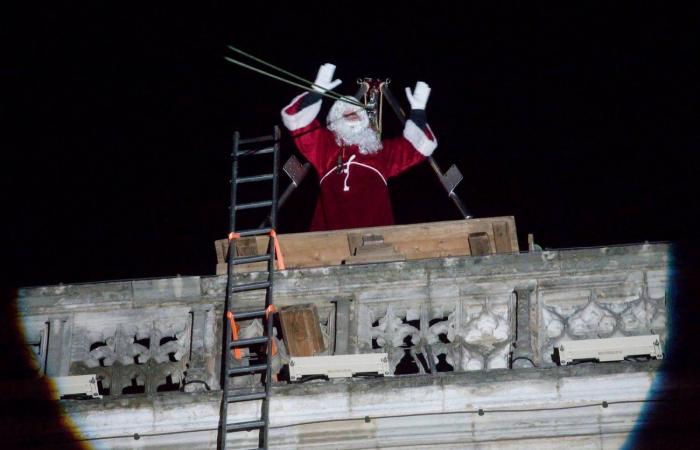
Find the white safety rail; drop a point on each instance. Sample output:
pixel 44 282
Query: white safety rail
pixel 339 366
pixel 76 386
pixel 610 349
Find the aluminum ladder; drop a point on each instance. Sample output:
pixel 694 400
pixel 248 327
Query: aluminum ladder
pixel 262 366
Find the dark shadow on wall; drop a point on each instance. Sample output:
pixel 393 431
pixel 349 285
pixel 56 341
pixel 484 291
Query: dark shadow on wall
pixel 670 419
pixel 28 416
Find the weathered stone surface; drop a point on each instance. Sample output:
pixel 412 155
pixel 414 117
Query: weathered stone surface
pixel 455 315
pixel 414 412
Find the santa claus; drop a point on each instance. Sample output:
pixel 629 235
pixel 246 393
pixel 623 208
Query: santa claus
pixel 352 162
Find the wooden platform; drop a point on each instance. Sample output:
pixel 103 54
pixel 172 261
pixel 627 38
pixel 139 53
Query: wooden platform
pixel 473 237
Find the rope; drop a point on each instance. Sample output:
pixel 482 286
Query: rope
pixel 329 93
pixel 268 311
pixel 236 352
pixel 279 69
pixel 278 251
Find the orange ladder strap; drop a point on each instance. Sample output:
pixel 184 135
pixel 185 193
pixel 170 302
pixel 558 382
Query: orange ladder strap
pixel 235 328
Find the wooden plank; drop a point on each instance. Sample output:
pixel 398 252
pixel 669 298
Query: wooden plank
pixel 354 241
pixel 247 246
pixel 221 248
pixel 501 238
pixel 479 243
pixel 415 241
pixel 301 330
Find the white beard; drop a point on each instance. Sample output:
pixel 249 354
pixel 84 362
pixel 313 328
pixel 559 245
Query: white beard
pixel 353 132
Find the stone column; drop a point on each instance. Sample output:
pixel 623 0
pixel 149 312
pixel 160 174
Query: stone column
pixel 522 356
pixel 203 353
pixel 343 319
pixel 59 343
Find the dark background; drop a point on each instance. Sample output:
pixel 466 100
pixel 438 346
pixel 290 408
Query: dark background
pixel 579 121
pixel 117 117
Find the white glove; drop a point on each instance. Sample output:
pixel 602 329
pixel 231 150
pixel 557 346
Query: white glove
pixel 323 81
pixel 419 98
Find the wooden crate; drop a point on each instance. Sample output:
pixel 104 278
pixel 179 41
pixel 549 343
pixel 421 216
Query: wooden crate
pixel 301 330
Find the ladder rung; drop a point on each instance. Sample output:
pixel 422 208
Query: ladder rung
pixel 253 151
pixel 249 259
pixel 244 426
pixel 254 231
pixel 250 286
pixel 247 369
pixel 246 397
pixel 253 178
pixel 252 205
pixel 257 139
pixel 250 314
pixel 249 341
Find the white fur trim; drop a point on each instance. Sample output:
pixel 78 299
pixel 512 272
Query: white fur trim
pixel 419 139
pixel 301 118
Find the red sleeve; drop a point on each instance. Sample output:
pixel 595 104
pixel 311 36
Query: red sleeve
pixel 313 142
pixel 399 155
pixel 414 146
pixel 311 138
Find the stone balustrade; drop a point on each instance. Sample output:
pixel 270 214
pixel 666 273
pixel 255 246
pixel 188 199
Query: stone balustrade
pixel 433 315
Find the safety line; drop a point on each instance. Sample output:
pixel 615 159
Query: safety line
pixel 481 412
pixel 279 69
pixel 301 86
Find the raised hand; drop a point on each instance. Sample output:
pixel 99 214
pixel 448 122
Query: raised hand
pixel 323 81
pixel 419 97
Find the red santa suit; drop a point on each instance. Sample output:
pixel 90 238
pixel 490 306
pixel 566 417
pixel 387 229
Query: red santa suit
pixel 354 194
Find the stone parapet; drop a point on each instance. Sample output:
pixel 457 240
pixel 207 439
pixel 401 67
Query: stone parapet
pixel 432 315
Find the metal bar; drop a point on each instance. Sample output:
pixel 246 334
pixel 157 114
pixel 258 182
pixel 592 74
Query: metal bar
pixel 250 259
pixel 250 314
pixel 337 97
pixel 245 426
pixel 247 369
pixel 221 444
pixel 255 231
pixel 455 199
pixel 275 172
pixel 279 69
pixel 249 341
pixel 256 151
pixel 253 205
pixel 255 140
pixel 300 176
pixel 250 286
pixel 265 407
pixel 246 397
pixel 254 178
pixel 394 103
pixel 433 164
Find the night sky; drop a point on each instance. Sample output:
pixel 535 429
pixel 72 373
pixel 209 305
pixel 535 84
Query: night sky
pixel 579 121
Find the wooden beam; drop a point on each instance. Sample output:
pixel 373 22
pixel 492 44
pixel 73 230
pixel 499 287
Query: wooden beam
pixel 414 241
pixel 501 237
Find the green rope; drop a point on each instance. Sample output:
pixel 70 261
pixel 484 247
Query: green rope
pixel 279 69
pixel 329 93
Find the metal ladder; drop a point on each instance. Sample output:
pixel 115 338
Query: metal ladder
pixel 253 147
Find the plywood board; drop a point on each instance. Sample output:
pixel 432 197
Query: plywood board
pixel 479 244
pixel 415 241
pixel 501 238
pixel 301 330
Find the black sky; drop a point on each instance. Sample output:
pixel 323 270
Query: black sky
pixel 580 121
